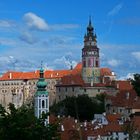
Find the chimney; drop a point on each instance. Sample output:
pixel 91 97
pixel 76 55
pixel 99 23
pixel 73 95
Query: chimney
pixel 62 127
pixel 10 75
pixel 117 85
pixel 71 67
pixel 127 95
pixel 113 73
pixel 91 84
pixel 85 124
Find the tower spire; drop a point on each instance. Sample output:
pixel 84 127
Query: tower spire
pixel 90 24
pixel 41 64
pixel 90 28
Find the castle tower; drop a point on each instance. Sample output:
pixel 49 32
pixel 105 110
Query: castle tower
pixel 41 97
pixel 90 57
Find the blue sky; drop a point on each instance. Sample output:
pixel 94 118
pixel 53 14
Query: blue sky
pixel 52 31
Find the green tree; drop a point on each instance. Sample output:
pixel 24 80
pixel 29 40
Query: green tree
pixel 81 107
pixel 130 129
pixel 136 83
pixel 22 124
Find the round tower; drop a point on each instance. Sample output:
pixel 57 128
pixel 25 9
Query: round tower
pixel 90 57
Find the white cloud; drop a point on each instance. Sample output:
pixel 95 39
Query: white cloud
pixel 6 23
pixel 115 10
pixel 66 60
pixel 63 26
pixel 8 42
pixel 28 38
pixel 12 63
pixel 128 76
pixel 113 62
pixel 35 22
pixel 136 55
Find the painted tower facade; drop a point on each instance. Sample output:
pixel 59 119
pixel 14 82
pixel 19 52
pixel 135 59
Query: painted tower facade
pixel 41 97
pixel 90 57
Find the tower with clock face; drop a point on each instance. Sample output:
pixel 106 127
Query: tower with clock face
pixel 90 57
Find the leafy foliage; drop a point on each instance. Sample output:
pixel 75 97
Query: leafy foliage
pixel 136 83
pixel 22 124
pixel 81 107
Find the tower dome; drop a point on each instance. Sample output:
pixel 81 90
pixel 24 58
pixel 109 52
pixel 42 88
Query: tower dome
pixel 41 84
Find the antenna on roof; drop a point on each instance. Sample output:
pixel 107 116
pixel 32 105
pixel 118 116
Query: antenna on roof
pixel 71 67
pixel 41 64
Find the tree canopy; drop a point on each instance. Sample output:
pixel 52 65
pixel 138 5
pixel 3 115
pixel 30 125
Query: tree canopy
pixel 136 83
pixel 81 107
pixel 23 125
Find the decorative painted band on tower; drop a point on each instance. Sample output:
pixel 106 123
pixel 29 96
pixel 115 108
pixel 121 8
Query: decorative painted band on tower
pixel 41 97
pixel 90 57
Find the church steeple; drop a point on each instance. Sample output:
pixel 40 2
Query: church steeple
pixel 41 96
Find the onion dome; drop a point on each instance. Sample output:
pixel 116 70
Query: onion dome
pixel 41 84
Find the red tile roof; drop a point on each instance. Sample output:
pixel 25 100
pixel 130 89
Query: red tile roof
pixel 106 72
pixel 124 85
pixel 113 118
pixel 72 80
pixel 12 75
pixel 126 98
pixel 49 74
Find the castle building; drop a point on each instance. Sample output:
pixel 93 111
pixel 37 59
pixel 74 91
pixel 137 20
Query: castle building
pixel 86 78
pixel 41 97
pixel 19 87
pixel 92 79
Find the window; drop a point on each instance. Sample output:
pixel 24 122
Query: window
pixel 59 89
pixel 66 89
pixel 39 103
pixel 89 63
pixel 97 64
pixel 46 103
pixel 84 63
pixel 59 97
pixel 129 111
pixel 73 89
pixel 85 90
pixel 43 103
pixel 43 112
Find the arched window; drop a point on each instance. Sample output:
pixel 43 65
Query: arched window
pixel 84 63
pixel 97 64
pixel 43 103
